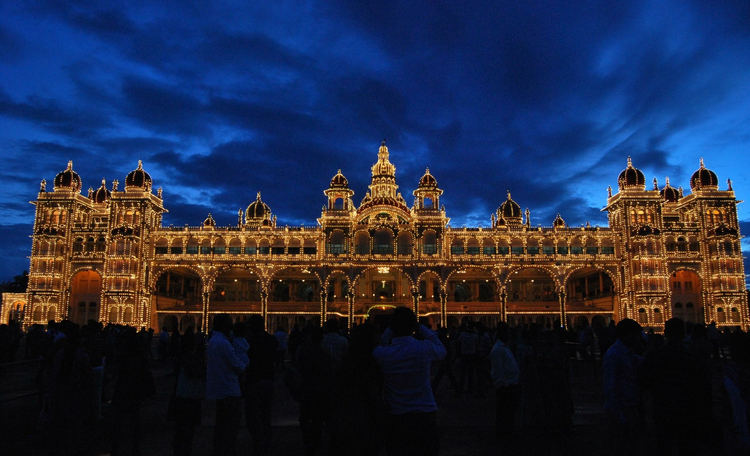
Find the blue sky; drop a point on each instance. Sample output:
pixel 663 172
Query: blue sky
pixel 221 100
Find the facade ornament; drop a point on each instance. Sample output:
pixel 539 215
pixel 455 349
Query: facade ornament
pixel 656 185
pixel 115 183
pixel 729 184
pixel 609 191
pixel 159 193
pixel 43 186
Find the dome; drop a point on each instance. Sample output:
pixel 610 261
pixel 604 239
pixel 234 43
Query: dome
pixel 101 195
pixel 509 209
pixel 209 222
pixel 704 178
pixel 631 177
pixel 138 178
pixel 257 210
pixel 670 194
pixel 68 179
pixel 558 222
pixel 427 180
pixel 339 181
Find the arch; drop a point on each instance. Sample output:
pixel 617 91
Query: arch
pixel 337 293
pixel 404 243
pixel 86 288
pixel 642 316
pixel 235 247
pixel 294 246
pixel 429 286
pixel 337 243
pixel 362 243
pixel 381 285
pixel 472 290
pixel 429 242
pixel 488 246
pixel 236 289
pixel 685 285
pixel 383 242
pixel 127 315
pixel 294 291
pixel 473 246
pixel 177 287
pixel 457 246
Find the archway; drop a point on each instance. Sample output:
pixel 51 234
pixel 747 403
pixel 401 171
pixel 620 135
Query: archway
pixel 236 290
pixel 292 293
pixel 85 297
pixel 473 292
pixel 178 290
pixel 686 296
pixel 378 287
pixel 590 292
pixel 531 292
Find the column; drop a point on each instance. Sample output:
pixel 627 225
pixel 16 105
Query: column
pixel 264 307
pixel 443 309
pixel 350 298
pixel 415 301
pixel 323 307
pixel 204 313
pixel 503 306
pixel 563 322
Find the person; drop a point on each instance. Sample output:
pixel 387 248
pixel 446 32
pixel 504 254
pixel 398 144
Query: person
pixel 258 391
pixel 673 374
pixel 190 388
pixel 281 337
pixel 316 377
pixel 223 385
pixel 445 366
pixel 334 343
pixel 359 413
pixel 468 341
pixel 411 423
pixel 623 403
pixel 505 377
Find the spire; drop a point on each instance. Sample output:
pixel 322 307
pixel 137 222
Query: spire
pixel 702 165
pixel 729 184
pixel 70 165
pixel 508 194
pixel 258 198
pixel 630 162
pixel 609 191
pixel 667 181
pixel 140 166
pixel 656 184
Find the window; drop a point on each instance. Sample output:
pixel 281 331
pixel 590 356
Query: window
pixel 205 250
pixel 503 250
pixel 293 250
pixel 676 286
pixel 548 250
pixel 309 250
pixel 516 250
pixel 192 250
pixel 562 250
pixel 175 250
pixel 251 250
pixel 488 250
pixel 235 250
pixel 689 286
pixel 429 249
pixel 472 250
pixel 264 250
pixel 532 250
pixel 277 250
pixel 608 250
pixel 220 250
pixel 592 250
pixel 576 250
pixel 457 250
pixel 161 250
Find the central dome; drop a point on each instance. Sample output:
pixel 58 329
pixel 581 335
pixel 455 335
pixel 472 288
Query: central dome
pixel 631 177
pixel 68 179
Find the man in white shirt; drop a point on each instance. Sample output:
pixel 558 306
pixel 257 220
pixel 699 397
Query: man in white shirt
pixel 505 377
pixel 223 371
pixel 405 363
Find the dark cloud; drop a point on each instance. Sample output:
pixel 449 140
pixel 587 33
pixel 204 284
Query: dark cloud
pixel 16 249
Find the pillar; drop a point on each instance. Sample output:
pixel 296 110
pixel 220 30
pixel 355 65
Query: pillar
pixel 563 317
pixel 443 309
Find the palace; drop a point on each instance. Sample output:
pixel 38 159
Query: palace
pixel 106 256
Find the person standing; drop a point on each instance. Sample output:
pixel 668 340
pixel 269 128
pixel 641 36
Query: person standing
pixel 411 424
pixel 623 403
pixel 505 377
pixel 334 343
pixel 223 372
pixel 281 337
pixel 262 349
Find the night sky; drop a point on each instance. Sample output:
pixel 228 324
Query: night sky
pixel 221 100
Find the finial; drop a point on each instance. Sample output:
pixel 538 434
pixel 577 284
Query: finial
pixel 104 183
pixel 702 165
pixel 383 144
pixel 729 184
pixel 339 171
pixel 258 198
pixel 656 185
pixel 680 191
pixel 91 192
pixel 427 170
pixel 140 164
pixel 70 164
pixel 630 162
pixel 588 225
pixel 667 181
pixel 43 185
pixel 508 194
pixel 115 183
pixel 609 191
pixel 159 193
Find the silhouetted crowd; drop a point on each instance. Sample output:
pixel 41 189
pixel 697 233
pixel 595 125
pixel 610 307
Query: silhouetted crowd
pixel 372 389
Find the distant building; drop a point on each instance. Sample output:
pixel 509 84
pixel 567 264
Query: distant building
pixel 106 256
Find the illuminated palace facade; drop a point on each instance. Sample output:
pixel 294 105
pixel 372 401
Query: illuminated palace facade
pixel 106 256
